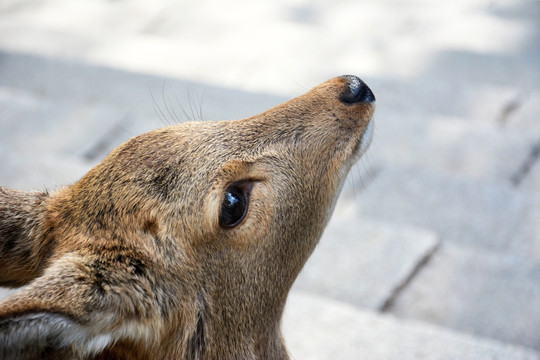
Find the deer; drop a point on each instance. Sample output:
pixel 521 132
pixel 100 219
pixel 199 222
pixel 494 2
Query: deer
pixel 185 241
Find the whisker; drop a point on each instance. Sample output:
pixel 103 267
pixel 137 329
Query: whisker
pixel 157 109
pixel 362 182
pixel 201 105
pixel 352 184
pixel 188 118
pixel 368 169
pixel 176 116
pixel 173 118
pixel 191 106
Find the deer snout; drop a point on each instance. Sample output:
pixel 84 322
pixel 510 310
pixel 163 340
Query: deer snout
pixel 357 91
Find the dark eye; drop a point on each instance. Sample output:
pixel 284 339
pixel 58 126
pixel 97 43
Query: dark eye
pixel 234 205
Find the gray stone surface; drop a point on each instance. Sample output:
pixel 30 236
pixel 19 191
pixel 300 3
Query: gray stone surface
pixel 54 125
pixel 482 150
pixel 6 292
pixel 321 329
pixel 523 115
pixel 54 105
pixel 282 46
pixel 364 262
pixel 478 291
pixel 532 182
pixel 462 210
pixel 24 171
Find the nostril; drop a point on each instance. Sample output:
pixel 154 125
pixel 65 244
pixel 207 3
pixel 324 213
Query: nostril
pixel 357 91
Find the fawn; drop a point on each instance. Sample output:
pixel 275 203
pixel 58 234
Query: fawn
pixel 184 242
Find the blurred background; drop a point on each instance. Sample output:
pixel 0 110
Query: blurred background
pixel 434 249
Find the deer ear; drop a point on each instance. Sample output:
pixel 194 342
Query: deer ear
pixel 39 335
pixel 62 314
pixel 22 244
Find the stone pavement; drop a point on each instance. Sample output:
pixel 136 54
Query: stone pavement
pixel 348 332
pixel 434 249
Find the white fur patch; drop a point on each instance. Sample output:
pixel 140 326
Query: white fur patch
pixel 367 137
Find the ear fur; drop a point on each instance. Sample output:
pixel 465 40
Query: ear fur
pixel 23 248
pixel 44 335
pixel 64 315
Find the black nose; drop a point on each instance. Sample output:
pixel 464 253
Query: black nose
pixel 357 91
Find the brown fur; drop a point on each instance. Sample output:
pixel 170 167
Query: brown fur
pixel 133 253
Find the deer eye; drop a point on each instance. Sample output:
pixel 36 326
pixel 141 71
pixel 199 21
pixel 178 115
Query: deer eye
pixel 235 204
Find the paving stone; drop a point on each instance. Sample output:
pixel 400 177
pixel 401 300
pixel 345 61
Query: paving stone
pixel 4 292
pixel 485 214
pixel 450 145
pixel 478 291
pixel 26 171
pixel 532 181
pixel 320 329
pixel 363 262
pixel 75 81
pixel 523 112
pixel 76 108
pixel 56 126
pixel 462 42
